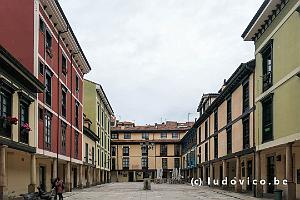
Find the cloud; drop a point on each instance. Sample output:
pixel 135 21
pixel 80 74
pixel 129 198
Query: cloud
pixel 156 58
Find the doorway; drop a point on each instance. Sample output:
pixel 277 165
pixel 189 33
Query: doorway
pixel 74 177
pixel 249 174
pixel 42 178
pixel 130 176
pixel 270 174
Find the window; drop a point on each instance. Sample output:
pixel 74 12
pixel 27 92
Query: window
pixel 229 106
pixel 246 96
pixel 246 134
pixel 206 151
pixel 163 135
pixel 125 163
pixel 76 114
pixel 127 135
pixel 267 123
pixel 216 121
pixel 267 64
pixel 41 68
pixel 64 64
pixel 206 129
pixel 86 152
pixel 163 150
pixel 76 138
pixel 164 163
pixel 144 150
pixel 64 102
pixel 24 115
pixel 41 113
pixel 113 151
pixel 102 159
pixel 176 163
pixel 229 140
pixel 48 40
pixel 175 135
pixel 42 26
pixel 102 118
pixel 93 155
pixel 176 149
pixel 125 151
pixel 47 131
pixel 145 136
pixel 113 164
pixel 102 139
pixel 144 163
pixel 48 88
pixel 98 113
pixel 114 136
pixel 77 83
pixel 63 138
pixel 216 146
pixel 199 134
pixel 98 159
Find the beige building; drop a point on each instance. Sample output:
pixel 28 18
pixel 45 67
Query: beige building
pixel 221 142
pixel 131 158
pixel 275 31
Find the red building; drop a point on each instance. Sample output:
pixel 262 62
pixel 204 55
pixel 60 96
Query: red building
pixel 38 34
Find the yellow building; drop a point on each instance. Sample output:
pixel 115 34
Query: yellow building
pixel 18 126
pixel 132 160
pixel 220 145
pixel 275 31
pixel 99 112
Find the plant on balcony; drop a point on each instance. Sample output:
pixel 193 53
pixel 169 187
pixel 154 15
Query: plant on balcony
pixel 26 127
pixel 9 120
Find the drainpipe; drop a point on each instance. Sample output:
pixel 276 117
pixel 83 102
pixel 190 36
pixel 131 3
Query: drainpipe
pixel 254 145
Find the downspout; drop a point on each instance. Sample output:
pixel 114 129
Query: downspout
pixel 253 123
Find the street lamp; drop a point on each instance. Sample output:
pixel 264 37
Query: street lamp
pixel 146 146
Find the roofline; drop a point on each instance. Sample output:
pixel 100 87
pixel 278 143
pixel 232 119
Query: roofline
pixel 255 18
pixel 73 35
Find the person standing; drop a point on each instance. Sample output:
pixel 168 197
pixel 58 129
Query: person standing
pixel 59 188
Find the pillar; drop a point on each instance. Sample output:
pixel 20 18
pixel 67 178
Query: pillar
pixel 3 184
pixel 54 169
pixel 289 172
pixel 259 188
pixel 99 176
pixel 80 185
pixel 211 174
pixel 224 168
pixel 204 175
pixel 238 187
pixel 68 185
pixel 32 185
pixel 88 177
pixel 134 176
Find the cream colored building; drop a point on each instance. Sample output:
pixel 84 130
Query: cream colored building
pixel 275 31
pixel 98 110
pixel 131 158
pixel 221 142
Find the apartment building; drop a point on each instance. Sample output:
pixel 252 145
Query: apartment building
pixel 221 142
pixel 275 32
pixel 138 152
pixel 39 35
pixel 99 111
pixel 18 102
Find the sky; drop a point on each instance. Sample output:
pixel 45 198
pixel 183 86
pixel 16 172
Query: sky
pixel 156 58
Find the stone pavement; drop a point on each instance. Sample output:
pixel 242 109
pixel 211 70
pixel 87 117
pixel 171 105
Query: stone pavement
pixel 133 191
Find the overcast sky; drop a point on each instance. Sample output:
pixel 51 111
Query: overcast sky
pixel 155 58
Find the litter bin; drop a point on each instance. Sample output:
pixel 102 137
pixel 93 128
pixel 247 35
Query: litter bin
pixel 278 194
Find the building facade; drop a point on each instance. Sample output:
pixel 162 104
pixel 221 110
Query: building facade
pixel 140 151
pixel 220 145
pixel 18 101
pixel 99 111
pixel 41 38
pixel 275 32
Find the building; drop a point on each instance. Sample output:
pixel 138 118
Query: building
pixel 39 35
pixel 18 122
pixel 275 32
pixel 99 111
pixel 131 157
pixel 221 142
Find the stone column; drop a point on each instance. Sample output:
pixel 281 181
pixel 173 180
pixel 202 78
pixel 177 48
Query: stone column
pixel 134 176
pixel 289 172
pixel 238 187
pixel 54 169
pixel 3 177
pixel 68 185
pixel 224 168
pixel 32 185
pixel 88 178
pixel 211 174
pixel 259 188
pixel 80 176
pixel 99 176
pixel 204 175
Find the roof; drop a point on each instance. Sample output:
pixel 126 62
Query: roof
pixel 205 97
pixel 64 25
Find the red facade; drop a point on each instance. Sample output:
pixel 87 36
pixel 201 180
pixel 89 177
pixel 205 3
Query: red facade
pixel 17 35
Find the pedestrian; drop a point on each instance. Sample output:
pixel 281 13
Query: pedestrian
pixel 53 186
pixel 59 188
